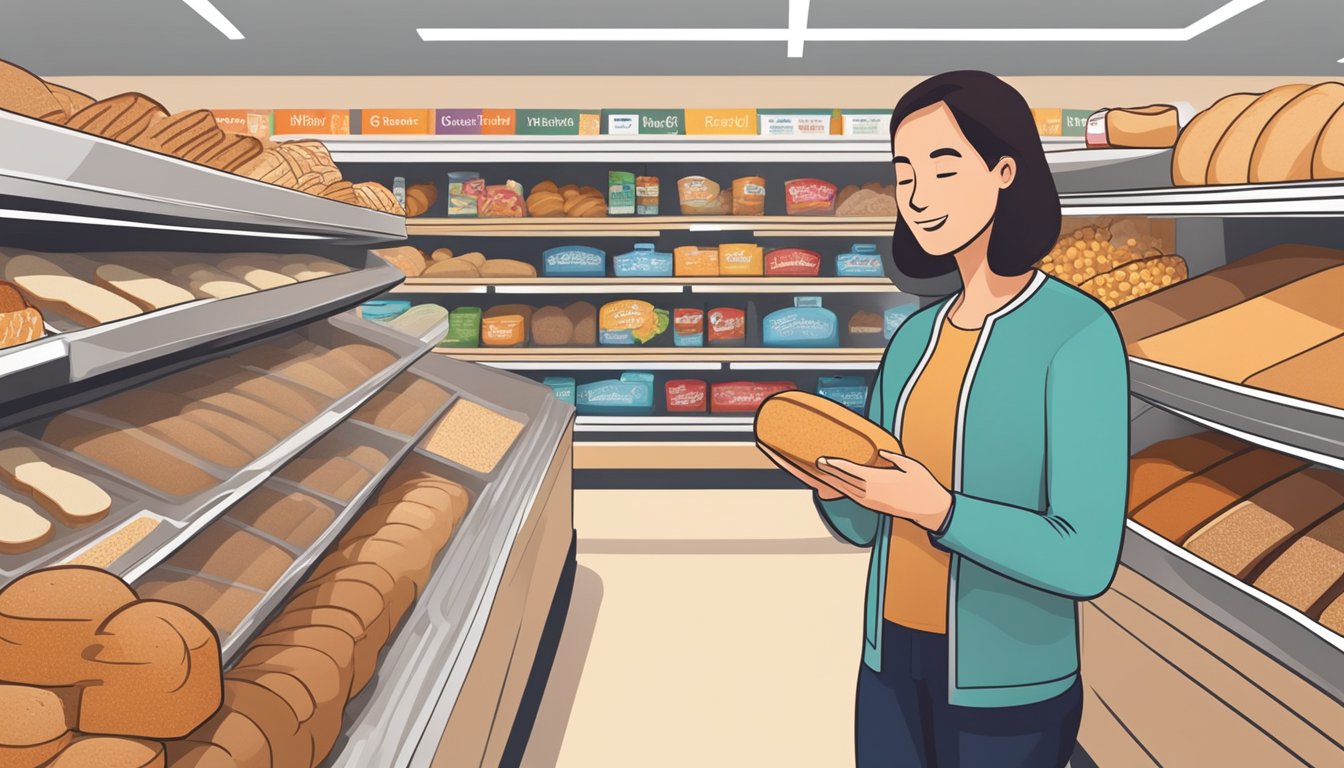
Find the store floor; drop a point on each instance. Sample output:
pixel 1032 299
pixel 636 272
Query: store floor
pixel 706 628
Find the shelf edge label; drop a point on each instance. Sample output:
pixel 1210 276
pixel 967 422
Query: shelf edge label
pixel 395 121
pixel 321 122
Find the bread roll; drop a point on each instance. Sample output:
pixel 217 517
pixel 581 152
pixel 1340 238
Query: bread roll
pixel 551 327
pixel 1159 467
pixel 147 293
pixel 269 711
pixel 507 268
pixel 364 602
pixel 72 499
pixel 802 428
pixel 1309 567
pixel 324 674
pixel 36 755
pixel 23 92
pixel 1195 146
pixel 409 259
pixel 451 268
pixel 195 754
pixel 109 752
pixel 30 716
pixel 158 673
pixel 21 527
pixel 1240 539
pixel 1230 162
pixel 1182 510
pixel 1284 149
pixel 123 118
pixel 357 565
pixel 50 617
pixel 584 317
pixel 260 278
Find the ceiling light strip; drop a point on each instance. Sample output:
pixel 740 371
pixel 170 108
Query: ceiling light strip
pixel 798 10
pixel 210 13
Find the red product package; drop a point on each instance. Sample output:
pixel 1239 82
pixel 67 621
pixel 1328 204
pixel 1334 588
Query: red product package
pixel 792 262
pixel 744 396
pixel 727 325
pixel 809 197
pixel 687 396
pixel 499 201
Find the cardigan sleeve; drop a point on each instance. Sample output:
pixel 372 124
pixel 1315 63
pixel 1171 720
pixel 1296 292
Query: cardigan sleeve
pixel 1073 548
pixel 847 518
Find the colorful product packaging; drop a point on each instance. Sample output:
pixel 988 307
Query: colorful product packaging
pixel 849 391
pixel 646 195
pixel 744 396
pixel 620 193
pixel 694 261
pixel 384 310
pixel 749 196
pixel 465 189
pixel 863 260
pixel 688 327
pixel 573 261
pixel 794 122
pixel 631 394
pixel 806 324
pixel 630 321
pixel 866 122
pixel 721 122
pixel 792 262
pixel 686 396
pixel 396 121
pixel 563 387
pixel 726 327
pixel 809 197
pixel 644 261
pixel 464 328
pixel 741 260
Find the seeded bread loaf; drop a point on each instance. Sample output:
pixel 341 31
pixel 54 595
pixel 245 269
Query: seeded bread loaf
pixel 802 427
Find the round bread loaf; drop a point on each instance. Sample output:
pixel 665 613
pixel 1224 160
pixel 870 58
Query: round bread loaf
pixel 289 745
pixel 1230 162
pixel 49 617
pixel 1194 147
pixel 551 327
pixel 235 733
pixel 1284 150
pixel 802 427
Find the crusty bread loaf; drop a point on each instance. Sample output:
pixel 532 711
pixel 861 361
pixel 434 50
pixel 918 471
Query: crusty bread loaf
pixel 551 327
pixel 240 739
pixel 270 167
pixel 1313 375
pixel 125 117
pixel 195 754
pixel 407 258
pixel 584 317
pixel 269 711
pixel 322 660
pixel 234 153
pixel 507 268
pixel 1327 158
pixel 23 92
pixel 233 554
pixel 1254 275
pixel 1251 532
pixel 1160 466
pixel 404 405
pixel 1196 144
pixel 36 755
pixel 1305 572
pixel 294 517
pixel 1182 510
pixel 342 191
pixel 258 277
pixel 251 440
pixel 20 323
pixel 451 268
pixel 364 602
pixel 802 428
pixel 70 498
pixel 1249 337
pixel 222 606
pixel 264 417
pixel 158 673
pixel 71 100
pixel 31 716
pixel 130 452
pixel 109 752
pixel 49 617
pixel 174 134
pixel 147 293
pixel 1284 149
pixel 302 402
pixel 1230 162
pixel 195 439
pixel 21 527
pixel 54 290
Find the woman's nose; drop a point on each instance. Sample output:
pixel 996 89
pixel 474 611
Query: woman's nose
pixel 914 200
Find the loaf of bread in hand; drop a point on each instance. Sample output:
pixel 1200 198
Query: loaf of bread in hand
pixel 802 427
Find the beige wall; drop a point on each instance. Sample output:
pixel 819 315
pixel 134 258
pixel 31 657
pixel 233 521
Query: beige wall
pixel 550 92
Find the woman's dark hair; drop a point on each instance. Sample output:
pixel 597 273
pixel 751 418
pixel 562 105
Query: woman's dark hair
pixel 998 123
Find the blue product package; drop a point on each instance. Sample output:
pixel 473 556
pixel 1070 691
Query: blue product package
pixel 894 317
pixel 562 387
pixel 382 311
pixel 644 261
pixel 632 394
pixel 863 260
pixel 849 391
pixel 574 261
pixel 805 324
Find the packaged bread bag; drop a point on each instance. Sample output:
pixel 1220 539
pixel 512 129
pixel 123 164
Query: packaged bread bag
pixel 703 197
pixel 749 196
pixel 631 321
pixel 505 325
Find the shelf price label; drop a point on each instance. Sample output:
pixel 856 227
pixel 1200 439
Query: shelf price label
pixel 249 122
pixel 1049 122
pixel 457 122
pixel 630 122
pixel 558 122
pixel 721 122
pixel 1075 121
pixel 499 122
pixel 320 122
pixel 395 121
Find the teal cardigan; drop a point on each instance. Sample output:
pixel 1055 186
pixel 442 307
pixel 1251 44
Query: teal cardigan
pixel 1040 474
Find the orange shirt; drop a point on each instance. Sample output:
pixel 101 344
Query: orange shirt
pixel 917 571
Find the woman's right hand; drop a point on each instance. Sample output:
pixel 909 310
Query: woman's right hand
pixel 823 491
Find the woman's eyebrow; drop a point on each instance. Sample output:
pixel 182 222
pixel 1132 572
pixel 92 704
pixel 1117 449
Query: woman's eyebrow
pixel 944 152
pixel 901 159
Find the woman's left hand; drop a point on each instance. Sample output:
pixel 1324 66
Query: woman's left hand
pixel 907 490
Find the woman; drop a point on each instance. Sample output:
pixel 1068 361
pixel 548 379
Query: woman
pixel 1010 399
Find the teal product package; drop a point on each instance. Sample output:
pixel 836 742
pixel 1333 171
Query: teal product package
pixel 893 317
pixel 620 193
pixel 849 391
pixel 574 261
pixel 863 260
pixel 644 261
pixel 631 394
pixel 562 387
pixel 805 324
pixel 383 310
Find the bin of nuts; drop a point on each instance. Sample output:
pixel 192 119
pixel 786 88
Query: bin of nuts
pixel 1115 262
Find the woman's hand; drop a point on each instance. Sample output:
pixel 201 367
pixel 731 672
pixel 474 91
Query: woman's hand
pixel 822 490
pixel 907 490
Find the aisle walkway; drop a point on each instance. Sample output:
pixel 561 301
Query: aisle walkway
pixel 707 628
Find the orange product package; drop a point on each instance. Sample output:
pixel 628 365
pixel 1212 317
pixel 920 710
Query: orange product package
pixel 505 325
pixel 749 196
pixel 741 259
pixel 693 261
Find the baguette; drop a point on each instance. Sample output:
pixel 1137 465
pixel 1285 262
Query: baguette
pixel 802 428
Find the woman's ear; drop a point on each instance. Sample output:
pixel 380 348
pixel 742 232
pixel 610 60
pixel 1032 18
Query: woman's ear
pixel 1006 171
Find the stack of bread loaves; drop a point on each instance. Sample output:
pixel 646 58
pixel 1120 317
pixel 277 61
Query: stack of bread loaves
pixel 92 675
pixel 549 200
pixel 443 263
pixel 1290 133
pixel 285 698
pixel 136 119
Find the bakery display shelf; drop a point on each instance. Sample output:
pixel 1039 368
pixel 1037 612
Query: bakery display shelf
pixel 652 226
pixel 574 285
pixel 72 177
pixel 34 377
pixel 1292 199
pixel 397 721
pixel 1308 430
pixel 396 447
pixel 1272 626
pixel 636 355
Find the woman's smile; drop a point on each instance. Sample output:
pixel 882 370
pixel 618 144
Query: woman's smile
pixel 933 225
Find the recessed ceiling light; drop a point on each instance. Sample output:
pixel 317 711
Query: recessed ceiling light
pixel 797 33
pixel 210 13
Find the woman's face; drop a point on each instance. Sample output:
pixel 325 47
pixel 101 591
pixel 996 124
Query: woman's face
pixel 944 191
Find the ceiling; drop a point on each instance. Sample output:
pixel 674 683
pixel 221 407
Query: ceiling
pixel 379 37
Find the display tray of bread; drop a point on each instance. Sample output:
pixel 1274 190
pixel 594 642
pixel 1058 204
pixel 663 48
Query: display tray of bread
pixel 180 162
pixel 443 263
pixel 1271 521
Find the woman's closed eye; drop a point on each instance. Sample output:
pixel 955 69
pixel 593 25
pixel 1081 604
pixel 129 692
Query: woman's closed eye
pixel 903 182
pixel 946 174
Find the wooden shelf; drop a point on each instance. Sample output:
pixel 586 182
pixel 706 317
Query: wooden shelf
pixel 652 226
pixel 635 355
pixel 613 285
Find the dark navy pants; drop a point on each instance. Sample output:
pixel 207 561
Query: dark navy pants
pixel 902 718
